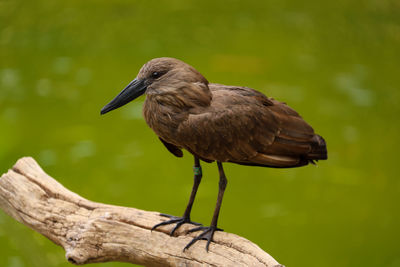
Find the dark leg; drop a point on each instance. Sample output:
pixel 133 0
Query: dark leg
pixel 197 179
pixel 208 232
pixel 186 215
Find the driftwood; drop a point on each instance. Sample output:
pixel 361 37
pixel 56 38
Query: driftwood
pixel 95 232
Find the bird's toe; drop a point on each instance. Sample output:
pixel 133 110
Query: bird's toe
pixel 207 234
pixel 179 221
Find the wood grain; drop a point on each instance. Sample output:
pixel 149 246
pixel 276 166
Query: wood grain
pixel 94 232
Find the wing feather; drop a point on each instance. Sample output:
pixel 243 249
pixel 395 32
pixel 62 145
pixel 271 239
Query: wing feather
pixel 172 148
pixel 246 127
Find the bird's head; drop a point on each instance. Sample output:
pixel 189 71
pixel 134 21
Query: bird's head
pixel 157 77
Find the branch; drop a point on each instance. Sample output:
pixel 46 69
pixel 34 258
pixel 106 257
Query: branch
pixel 95 232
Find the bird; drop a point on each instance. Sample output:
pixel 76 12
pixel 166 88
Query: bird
pixel 217 123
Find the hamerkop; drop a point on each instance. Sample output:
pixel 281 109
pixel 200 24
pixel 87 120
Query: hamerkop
pixel 216 122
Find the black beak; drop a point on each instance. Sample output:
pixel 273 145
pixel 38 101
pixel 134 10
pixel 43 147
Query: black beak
pixel 134 89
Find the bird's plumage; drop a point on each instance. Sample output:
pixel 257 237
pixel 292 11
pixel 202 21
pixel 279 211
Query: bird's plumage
pixel 223 123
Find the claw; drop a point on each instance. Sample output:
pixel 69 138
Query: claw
pixel 174 219
pixel 176 227
pixel 207 234
pixel 203 228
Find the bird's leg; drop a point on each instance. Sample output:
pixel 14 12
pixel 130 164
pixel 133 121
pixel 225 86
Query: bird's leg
pixel 186 215
pixel 208 232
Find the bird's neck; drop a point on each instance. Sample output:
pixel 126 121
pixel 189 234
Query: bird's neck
pixel 180 96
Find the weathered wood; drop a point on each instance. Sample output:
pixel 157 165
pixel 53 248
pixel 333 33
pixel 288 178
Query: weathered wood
pixel 95 232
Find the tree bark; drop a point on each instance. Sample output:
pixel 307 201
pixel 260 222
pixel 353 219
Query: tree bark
pixel 95 232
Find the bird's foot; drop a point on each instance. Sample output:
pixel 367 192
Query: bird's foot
pixel 174 219
pixel 207 234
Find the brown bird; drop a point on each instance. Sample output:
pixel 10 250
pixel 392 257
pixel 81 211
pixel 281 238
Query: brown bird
pixel 216 122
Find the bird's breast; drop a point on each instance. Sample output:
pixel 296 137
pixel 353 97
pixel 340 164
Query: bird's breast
pixel 163 119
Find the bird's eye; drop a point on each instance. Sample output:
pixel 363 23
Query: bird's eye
pixel 156 74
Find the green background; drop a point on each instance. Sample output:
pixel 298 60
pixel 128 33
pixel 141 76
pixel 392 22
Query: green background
pixel 336 62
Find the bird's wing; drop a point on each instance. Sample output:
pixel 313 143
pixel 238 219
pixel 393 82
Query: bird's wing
pixel 295 139
pixel 246 127
pixel 172 148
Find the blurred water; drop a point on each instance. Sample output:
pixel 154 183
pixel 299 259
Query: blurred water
pixel 336 62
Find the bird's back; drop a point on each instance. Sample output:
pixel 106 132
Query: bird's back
pixel 243 126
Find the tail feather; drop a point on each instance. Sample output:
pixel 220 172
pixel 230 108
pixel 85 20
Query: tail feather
pixel 318 148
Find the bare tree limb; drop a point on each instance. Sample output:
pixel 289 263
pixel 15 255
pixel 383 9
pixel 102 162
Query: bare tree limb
pixel 95 232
